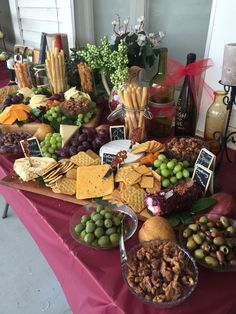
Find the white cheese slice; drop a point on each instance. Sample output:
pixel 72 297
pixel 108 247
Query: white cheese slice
pixel 67 131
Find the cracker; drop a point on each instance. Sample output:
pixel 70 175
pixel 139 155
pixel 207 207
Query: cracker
pixel 82 159
pixel 132 177
pixel 54 179
pixel 122 173
pixel 147 182
pixel 136 200
pixel 91 154
pixel 66 186
pixel 156 175
pixel 143 170
pixel 131 164
pixel 49 168
pixel 72 173
pixel 156 187
pixel 127 193
pixel 140 148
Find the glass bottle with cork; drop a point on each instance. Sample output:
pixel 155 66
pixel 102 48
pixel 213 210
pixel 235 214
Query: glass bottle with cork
pixel 186 108
pixel 161 101
pixel 215 121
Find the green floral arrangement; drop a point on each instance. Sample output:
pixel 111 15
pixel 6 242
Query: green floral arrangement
pixel 142 48
pixel 107 61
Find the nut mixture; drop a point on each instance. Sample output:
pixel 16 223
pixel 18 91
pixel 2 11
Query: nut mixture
pixel 160 272
pixel 73 107
pixel 185 148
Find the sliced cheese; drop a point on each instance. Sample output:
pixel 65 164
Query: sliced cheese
pixel 90 182
pixel 38 100
pixel 26 91
pixel 67 131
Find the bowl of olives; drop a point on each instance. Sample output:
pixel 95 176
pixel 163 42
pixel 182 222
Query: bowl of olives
pixel 211 241
pixel 99 226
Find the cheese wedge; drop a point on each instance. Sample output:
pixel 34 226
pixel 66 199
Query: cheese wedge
pixel 90 182
pixel 67 131
pixel 29 170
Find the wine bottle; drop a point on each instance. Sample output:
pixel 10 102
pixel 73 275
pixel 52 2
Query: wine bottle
pixel 186 108
pixel 164 92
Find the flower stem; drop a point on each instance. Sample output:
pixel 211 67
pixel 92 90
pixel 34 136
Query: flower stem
pixel 104 82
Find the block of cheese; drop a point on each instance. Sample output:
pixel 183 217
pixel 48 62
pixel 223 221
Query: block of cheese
pixel 90 182
pixel 29 170
pixel 67 131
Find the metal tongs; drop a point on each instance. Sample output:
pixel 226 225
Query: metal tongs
pixel 123 254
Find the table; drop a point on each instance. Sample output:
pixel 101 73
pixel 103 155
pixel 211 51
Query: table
pixel 92 280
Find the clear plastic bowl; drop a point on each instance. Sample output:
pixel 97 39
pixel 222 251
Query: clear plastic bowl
pixel 190 261
pixel 130 222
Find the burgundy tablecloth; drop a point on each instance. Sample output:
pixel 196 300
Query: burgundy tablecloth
pixel 91 279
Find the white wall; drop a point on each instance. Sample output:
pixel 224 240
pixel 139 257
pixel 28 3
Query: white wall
pixel 223 32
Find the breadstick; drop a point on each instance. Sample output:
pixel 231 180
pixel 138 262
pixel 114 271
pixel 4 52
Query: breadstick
pixel 53 73
pixel 128 104
pixel 57 71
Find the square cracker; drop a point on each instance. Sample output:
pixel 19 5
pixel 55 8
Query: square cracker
pixel 132 177
pixel 147 182
pixel 127 193
pixel 136 200
pixel 122 173
pixel 156 187
pixel 156 175
pixel 143 170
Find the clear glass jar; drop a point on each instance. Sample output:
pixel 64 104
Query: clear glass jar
pixel 215 121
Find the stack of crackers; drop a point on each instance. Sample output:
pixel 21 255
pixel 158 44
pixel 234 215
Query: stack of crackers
pixel 61 177
pixel 135 182
pixel 148 147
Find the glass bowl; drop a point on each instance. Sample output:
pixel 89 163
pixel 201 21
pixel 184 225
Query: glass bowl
pixel 219 268
pixel 188 263
pixel 130 223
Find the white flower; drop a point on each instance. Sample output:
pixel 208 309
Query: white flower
pixel 161 34
pixel 141 40
pixel 151 35
pixel 114 23
pixel 140 19
pixel 116 97
pixel 126 21
pixel 136 27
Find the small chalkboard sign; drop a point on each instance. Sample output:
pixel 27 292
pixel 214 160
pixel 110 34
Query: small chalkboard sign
pixel 206 159
pixel 107 158
pixel 204 177
pixel 33 147
pixel 117 132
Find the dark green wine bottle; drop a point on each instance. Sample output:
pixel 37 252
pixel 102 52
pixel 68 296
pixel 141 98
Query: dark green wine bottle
pixel 186 108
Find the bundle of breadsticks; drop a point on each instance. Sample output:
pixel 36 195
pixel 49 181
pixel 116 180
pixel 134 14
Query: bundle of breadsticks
pixel 56 70
pixel 134 99
pixel 85 73
pixel 22 75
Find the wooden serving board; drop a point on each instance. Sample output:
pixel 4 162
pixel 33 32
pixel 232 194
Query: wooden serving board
pixel 13 181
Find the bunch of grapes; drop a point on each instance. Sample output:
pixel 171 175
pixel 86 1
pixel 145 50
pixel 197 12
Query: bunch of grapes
pixel 82 140
pixel 51 142
pixel 86 117
pixel 171 171
pixel 59 97
pixel 12 99
pixel 10 142
pixel 54 113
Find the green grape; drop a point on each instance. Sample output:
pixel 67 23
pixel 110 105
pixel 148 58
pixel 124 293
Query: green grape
pixel 54 156
pixel 59 119
pixel 157 163
pixel 47 155
pixel 177 168
pixel 165 183
pixel 158 171
pixel 80 117
pixel 54 115
pixel 54 146
pixel 44 149
pixel 165 173
pixel 173 180
pixel 50 150
pixel 63 118
pixel 161 157
pixel 86 119
pixel 186 173
pixel 179 175
pixel 170 164
pixel 48 136
pixel 50 118
pixel 185 164
pixel 163 166
pixel 57 109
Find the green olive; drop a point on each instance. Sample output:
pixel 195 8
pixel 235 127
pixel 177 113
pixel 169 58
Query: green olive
pixel 213 229
pixel 199 254
pixel 231 229
pixel 202 235
pixel 224 249
pixel 230 242
pixel 204 227
pixel 197 238
pixel 224 221
pixel 214 248
pixel 203 219
pixel 212 261
pixel 218 241
pixel 210 224
pixel 187 233
pixel 193 227
pixel 191 244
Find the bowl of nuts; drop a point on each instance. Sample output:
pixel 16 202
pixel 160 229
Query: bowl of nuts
pixel 212 242
pixel 160 273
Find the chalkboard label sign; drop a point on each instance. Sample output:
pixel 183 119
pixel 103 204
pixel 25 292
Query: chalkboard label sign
pixel 206 159
pixel 204 177
pixel 31 147
pixel 107 158
pixel 117 132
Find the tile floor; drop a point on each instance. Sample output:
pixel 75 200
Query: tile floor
pixel 27 283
